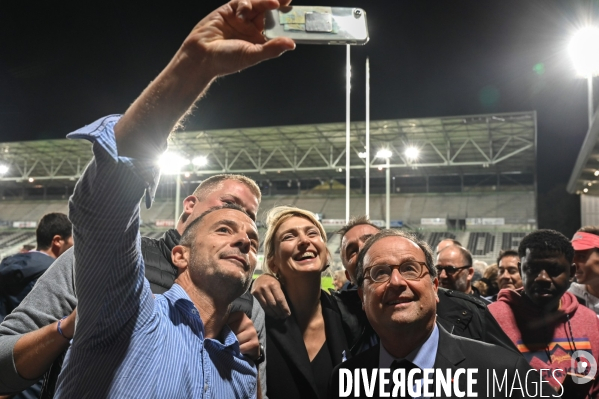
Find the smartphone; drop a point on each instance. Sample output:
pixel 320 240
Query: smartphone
pixel 318 25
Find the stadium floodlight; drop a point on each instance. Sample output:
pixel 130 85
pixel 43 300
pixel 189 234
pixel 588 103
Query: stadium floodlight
pixel 596 173
pixel 412 153
pixel 386 154
pixel 31 180
pixel 171 163
pixel 362 155
pixel 3 169
pixel 584 50
pixel 200 161
pixel 586 190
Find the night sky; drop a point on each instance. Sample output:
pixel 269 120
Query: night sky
pixel 65 64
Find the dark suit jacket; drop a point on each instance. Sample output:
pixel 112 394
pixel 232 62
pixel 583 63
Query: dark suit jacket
pixel 459 313
pixel 453 353
pixel 288 366
pixel 467 316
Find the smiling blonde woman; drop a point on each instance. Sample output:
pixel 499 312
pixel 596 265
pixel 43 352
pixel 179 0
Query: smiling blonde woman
pixel 303 349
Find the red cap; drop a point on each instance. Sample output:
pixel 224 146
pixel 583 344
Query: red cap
pixel 583 241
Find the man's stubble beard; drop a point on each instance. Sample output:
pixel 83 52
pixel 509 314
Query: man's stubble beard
pixel 221 285
pixel 461 284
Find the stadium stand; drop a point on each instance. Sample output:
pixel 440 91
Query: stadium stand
pixel 11 241
pixel 474 178
pixel 481 244
pixel 515 208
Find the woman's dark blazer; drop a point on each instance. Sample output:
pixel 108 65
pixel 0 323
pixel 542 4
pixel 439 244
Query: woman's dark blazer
pixel 288 370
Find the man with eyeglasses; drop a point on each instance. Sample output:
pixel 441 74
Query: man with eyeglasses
pixel 546 322
pixel 455 271
pixel 398 286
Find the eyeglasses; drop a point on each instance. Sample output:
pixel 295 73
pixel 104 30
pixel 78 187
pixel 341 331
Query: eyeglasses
pixel 449 270
pixel 410 270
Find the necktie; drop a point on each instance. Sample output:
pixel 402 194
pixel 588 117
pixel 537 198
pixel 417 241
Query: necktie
pixel 406 365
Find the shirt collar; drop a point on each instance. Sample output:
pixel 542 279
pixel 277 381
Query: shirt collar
pixel 422 356
pixel 177 296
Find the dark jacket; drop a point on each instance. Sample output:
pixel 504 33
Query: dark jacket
pixel 476 293
pixel 467 316
pixel 288 369
pixel 360 335
pixel 160 271
pixel 18 274
pixel 455 352
pixel 460 314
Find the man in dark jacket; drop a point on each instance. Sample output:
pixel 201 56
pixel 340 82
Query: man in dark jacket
pixel 458 313
pixel 18 273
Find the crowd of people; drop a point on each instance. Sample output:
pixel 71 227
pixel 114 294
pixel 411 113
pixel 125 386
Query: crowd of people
pixel 103 312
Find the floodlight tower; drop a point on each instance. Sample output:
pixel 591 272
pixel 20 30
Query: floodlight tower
pixel 386 155
pixel 347 130
pixel 171 164
pixel 584 50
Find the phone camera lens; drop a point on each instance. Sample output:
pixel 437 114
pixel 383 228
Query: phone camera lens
pixel 357 13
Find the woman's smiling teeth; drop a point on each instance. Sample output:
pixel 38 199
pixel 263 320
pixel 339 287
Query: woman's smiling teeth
pixel 305 255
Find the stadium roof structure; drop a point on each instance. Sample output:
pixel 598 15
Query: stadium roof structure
pixel 477 144
pixel 587 164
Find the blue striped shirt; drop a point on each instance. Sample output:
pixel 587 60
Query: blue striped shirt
pixel 128 343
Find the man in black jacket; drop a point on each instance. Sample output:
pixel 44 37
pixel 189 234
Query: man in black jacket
pixel 458 313
pixel 18 273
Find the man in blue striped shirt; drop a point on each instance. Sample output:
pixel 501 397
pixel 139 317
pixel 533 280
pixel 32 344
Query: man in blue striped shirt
pixel 128 343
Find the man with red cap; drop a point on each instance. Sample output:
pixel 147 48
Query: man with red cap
pixel 586 258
